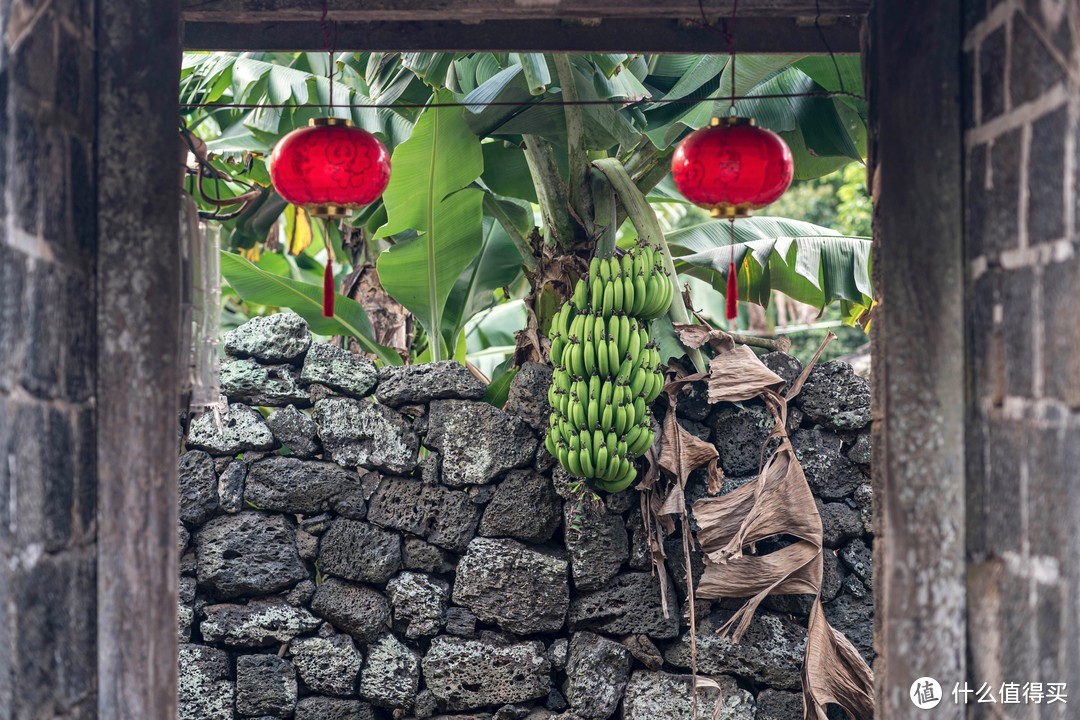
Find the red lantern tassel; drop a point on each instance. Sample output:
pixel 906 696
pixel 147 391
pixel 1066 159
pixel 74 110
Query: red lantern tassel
pixel 732 292
pixel 328 290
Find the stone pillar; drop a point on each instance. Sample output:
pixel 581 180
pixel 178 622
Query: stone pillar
pixel 48 369
pixel 88 351
pixel 1021 131
pixel 138 44
pixel 913 83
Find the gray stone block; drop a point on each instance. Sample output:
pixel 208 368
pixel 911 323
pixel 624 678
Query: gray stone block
pixel 663 696
pixel 259 623
pixel 198 487
pixel 527 398
pixel 477 442
pixel 770 654
pixel 356 609
pixel 327 665
pixel 835 397
pixel 840 523
pixel 230 486
pixel 417 554
pixel 242 429
pixel 324 708
pixel 596 674
pixel 249 382
pixel 294 430
pixel 247 554
pixel 265 685
pixel 408 384
pixel 854 617
pixel 291 485
pixel 360 551
pixel 860 560
pixel 520 589
pixel 282 337
pixel 470 674
pixel 340 370
pixel 444 517
pixel 630 604
pixel 778 705
pixel 596 543
pixel 418 603
pixel 391 674
pixel 359 433
pixel 524 506
pixel 206 688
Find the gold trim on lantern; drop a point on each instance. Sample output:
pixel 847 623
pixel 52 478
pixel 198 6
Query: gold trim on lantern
pixel 732 121
pixel 330 212
pixel 329 122
pixel 731 212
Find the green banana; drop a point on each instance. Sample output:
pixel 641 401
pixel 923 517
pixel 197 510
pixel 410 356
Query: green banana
pixel 617 294
pixel 593 415
pixel 585 459
pixel 608 303
pixel 574 457
pixel 580 298
pixel 606 367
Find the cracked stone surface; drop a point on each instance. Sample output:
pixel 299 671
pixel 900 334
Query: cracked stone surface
pixel 409 384
pixel 477 442
pixel 242 429
pixel 359 433
pixel 277 338
pixel 340 370
pixel 248 554
pixel 391 674
pixel 469 674
pixel 258 623
pixel 521 590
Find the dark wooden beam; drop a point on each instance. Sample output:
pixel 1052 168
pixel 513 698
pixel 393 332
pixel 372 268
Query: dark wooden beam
pixel 138 284
pixel 755 35
pixel 258 11
pixel 913 82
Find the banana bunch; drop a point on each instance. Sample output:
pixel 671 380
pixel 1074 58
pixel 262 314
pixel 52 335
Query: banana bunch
pixel 607 369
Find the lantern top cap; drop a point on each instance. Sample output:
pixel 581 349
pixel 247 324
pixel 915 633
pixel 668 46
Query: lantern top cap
pixel 732 121
pixel 329 122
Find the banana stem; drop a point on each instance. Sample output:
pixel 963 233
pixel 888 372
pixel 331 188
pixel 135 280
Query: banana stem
pixel 604 205
pixel 641 214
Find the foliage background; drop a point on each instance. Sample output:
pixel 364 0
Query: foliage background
pixel 493 234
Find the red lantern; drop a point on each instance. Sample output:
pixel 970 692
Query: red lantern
pixel 732 167
pixel 329 168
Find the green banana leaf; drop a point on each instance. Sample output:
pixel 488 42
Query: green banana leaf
pixel 806 262
pixel 429 193
pixel 305 299
pixel 497 265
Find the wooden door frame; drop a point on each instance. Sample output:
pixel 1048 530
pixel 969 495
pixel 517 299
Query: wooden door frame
pixel 912 54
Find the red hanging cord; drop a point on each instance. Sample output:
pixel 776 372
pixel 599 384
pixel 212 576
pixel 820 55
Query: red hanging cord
pixel 329 291
pixel 732 295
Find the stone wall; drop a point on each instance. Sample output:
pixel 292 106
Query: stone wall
pixel 377 544
pixel 48 372
pixel 1022 145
